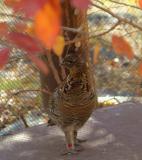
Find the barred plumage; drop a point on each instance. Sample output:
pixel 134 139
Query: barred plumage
pixel 73 101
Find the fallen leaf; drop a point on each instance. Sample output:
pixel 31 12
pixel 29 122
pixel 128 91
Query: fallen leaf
pixel 81 4
pixel 48 23
pixel 39 63
pixel 25 42
pixel 122 47
pixel 59 45
pixel 4 56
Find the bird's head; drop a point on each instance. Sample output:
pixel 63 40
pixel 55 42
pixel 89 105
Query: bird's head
pixel 70 61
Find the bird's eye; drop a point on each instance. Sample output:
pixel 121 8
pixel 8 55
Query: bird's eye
pixel 70 62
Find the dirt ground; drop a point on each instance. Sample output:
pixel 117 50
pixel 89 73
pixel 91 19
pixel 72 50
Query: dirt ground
pixel 113 133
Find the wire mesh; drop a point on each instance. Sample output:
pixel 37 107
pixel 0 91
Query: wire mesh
pixel 20 101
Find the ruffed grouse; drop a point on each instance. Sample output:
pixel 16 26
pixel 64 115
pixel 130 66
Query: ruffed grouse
pixel 73 101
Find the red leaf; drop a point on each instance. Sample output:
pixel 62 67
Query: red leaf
pixel 20 27
pixel 25 42
pixel 122 47
pixel 29 7
pixel 81 4
pixel 48 22
pixel 39 63
pixel 4 56
pixel 26 28
pixel 3 29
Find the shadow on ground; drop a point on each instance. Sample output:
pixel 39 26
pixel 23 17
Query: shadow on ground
pixel 112 133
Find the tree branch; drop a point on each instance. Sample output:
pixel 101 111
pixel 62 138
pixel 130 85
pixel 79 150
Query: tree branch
pixel 125 4
pixel 29 90
pixel 106 32
pixel 92 36
pixel 53 68
pixel 118 17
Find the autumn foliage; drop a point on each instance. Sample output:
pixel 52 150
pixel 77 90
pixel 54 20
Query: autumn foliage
pixel 4 55
pixel 46 30
pixel 122 47
pixel 48 23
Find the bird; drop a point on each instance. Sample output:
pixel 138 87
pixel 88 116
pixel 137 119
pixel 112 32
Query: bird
pixel 73 101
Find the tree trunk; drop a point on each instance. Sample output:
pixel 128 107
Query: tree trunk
pixel 72 18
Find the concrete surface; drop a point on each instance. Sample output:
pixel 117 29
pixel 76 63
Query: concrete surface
pixel 112 133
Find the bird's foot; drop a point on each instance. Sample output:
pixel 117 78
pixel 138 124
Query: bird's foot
pixel 70 152
pixel 73 150
pixel 78 147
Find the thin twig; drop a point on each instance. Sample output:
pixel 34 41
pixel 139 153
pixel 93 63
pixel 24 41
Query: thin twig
pixel 32 90
pixel 27 19
pixel 106 32
pixel 29 90
pixel 63 73
pixel 128 33
pixel 124 20
pixel 53 68
pixel 15 16
pixel 125 4
pixel 97 35
pixel 78 30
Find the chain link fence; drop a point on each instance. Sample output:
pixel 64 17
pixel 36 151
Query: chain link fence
pixel 20 99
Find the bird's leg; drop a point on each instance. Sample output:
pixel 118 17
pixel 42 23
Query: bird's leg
pixel 77 140
pixel 70 144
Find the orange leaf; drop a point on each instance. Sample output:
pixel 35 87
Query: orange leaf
pixel 59 45
pixel 4 56
pixel 140 69
pixel 96 52
pixel 48 22
pixel 3 29
pixel 30 29
pixel 11 3
pixel 140 3
pixel 122 47
pixel 39 63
